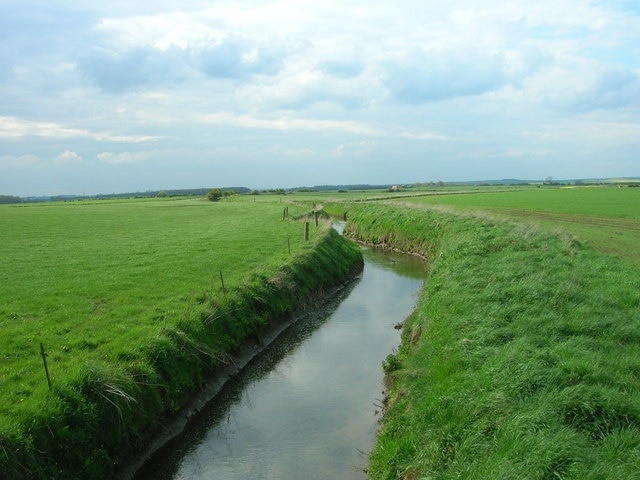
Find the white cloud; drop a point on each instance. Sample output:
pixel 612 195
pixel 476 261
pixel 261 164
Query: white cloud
pixel 601 87
pixel 237 56
pixel 287 123
pixel 11 127
pixel 420 76
pixel 68 157
pixel 123 158
pixel 161 30
pixel 298 90
pixel 117 71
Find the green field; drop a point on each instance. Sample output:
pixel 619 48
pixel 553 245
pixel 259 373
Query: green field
pixel 522 359
pixel 607 217
pixel 91 280
pixel 126 296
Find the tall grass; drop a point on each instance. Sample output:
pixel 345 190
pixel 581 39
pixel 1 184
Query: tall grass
pixel 127 299
pixel 606 217
pixel 609 201
pixel 522 359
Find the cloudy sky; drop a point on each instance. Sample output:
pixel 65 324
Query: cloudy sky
pixel 113 96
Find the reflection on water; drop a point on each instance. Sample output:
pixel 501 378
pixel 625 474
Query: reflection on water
pixel 306 407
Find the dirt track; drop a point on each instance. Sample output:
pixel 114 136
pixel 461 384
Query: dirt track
pixel 616 236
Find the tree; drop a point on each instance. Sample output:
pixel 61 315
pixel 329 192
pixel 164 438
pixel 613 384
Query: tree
pixel 214 194
pixel 10 199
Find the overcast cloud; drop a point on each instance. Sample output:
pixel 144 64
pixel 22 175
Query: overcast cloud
pixel 114 96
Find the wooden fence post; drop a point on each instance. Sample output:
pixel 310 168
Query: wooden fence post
pixel 46 368
pixel 306 231
pixel 222 281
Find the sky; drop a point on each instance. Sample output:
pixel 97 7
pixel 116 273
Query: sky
pixel 120 96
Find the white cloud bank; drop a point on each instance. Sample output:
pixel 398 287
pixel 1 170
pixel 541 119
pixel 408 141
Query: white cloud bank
pixel 68 157
pixel 373 91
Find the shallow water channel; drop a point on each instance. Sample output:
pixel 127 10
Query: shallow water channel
pixel 308 406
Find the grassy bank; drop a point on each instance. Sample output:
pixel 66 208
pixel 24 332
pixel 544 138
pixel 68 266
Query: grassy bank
pixel 607 217
pixel 128 299
pixel 522 359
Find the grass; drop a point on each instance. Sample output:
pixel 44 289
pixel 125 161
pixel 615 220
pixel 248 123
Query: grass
pixel 606 217
pixel 522 359
pixel 592 201
pixel 74 275
pixel 127 298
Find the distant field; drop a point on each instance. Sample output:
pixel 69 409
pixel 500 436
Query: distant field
pixel 381 194
pixel 95 280
pixel 606 217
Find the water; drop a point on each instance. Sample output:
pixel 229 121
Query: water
pixel 307 407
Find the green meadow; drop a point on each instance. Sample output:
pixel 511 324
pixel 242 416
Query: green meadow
pixel 600 201
pixel 522 359
pixel 608 217
pixel 90 280
pixel 134 302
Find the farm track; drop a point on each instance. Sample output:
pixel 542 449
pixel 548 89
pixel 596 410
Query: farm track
pixel 622 223
pixel 619 237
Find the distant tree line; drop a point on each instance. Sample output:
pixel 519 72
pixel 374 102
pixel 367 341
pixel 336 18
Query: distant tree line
pixel 276 191
pixel 216 194
pixel 10 199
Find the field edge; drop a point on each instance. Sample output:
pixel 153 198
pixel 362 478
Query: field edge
pixel 104 418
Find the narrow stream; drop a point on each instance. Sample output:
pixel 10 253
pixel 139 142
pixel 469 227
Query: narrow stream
pixel 307 407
